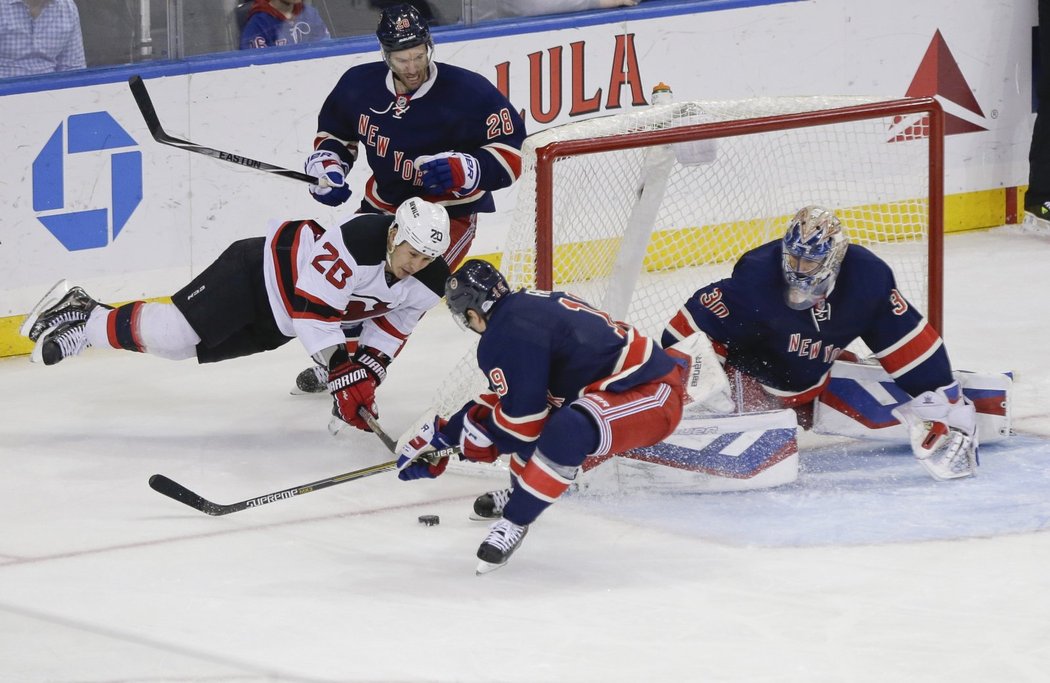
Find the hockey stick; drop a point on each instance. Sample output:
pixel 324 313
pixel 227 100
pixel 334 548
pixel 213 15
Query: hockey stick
pixel 149 115
pixel 176 491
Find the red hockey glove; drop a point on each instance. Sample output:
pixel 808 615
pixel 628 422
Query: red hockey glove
pixel 353 383
pixel 475 440
pixel 449 172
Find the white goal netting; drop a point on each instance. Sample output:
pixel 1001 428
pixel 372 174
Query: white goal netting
pixel 635 225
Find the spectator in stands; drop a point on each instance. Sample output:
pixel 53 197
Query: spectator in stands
pixel 39 36
pixel 498 9
pixel 1037 199
pixel 274 23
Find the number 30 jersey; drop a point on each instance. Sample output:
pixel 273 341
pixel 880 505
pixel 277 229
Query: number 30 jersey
pixel 318 279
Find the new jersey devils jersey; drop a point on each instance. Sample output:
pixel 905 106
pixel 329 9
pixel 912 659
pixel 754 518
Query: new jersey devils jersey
pixel 542 350
pixel 317 278
pixel 790 352
pixel 455 110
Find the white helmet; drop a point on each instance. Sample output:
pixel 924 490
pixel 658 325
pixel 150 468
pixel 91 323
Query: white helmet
pixel 423 225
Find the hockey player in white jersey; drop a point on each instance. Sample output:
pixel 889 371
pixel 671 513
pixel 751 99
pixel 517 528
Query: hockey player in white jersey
pixel 300 280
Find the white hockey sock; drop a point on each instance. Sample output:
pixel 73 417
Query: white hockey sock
pixel 160 329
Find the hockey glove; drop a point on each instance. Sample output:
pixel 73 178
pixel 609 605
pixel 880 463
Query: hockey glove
pixel 330 171
pixel 353 383
pixel 943 433
pixel 416 459
pixel 449 172
pixel 475 440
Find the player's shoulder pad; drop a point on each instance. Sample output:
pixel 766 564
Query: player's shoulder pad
pixel 434 276
pixel 466 77
pixel 365 237
pixel 861 264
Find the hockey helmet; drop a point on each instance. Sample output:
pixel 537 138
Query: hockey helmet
pixel 401 27
pixel 811 255
pixel 423 225
pixel 476 286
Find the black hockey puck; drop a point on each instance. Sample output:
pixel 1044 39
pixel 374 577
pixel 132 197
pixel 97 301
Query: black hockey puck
pixel 429 520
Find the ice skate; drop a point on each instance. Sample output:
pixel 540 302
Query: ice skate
pixel 490 505
pixel 60 342
pixel 503 539
pixel 62 304
pixel 312 380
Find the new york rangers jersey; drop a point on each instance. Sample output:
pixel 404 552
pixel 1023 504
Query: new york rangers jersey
pixel 790 352
pixel 455 110
pixel 543 350
pixel 268 27
pixel 316 279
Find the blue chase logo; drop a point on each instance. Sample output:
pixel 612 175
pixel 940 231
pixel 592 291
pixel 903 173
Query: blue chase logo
pixel 94 227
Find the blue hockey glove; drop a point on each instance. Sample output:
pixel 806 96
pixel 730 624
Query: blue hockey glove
pixel 412 458
pixel 449 172
pixel 330 171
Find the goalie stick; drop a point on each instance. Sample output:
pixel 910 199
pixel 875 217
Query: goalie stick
pixel 176 491
pixel 149 115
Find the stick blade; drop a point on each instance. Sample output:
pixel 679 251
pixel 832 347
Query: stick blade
pixel 176 491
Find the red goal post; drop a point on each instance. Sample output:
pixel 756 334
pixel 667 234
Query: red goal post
pixel 903 204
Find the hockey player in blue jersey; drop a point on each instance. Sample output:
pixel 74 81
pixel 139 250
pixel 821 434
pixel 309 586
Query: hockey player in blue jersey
pixel 275 23
pixel 790 309
pixel 566 381
pixel 427 129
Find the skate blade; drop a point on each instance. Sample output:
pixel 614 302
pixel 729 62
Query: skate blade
pixel 487 567
pixel 478 518
pixel 58 291
pixel 296 391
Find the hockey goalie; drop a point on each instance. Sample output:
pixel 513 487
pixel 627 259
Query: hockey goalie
pixel 780 325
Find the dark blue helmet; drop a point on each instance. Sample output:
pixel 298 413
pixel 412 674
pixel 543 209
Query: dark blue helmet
pixel 402 27
pixel 477 286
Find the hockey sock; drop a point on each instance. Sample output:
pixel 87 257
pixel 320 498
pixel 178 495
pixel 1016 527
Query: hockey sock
pixel 157 329
pixel 540 484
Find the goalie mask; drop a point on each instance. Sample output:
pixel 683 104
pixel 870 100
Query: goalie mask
pixel 423 225
pixel 475 286
pixel 811 254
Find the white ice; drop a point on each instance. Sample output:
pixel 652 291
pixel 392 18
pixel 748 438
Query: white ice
pixel 864 570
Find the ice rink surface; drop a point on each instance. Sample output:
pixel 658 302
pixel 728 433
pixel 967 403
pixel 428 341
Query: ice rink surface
pixel 863 570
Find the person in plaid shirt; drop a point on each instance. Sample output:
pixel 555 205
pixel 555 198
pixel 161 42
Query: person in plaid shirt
pixel 39 36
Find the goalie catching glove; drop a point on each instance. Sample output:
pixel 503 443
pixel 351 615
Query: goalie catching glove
pixel 449 172
pixel 330 171
pixel 353 382
pixel 943 432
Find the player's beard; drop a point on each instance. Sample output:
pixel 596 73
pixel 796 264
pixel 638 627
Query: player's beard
pixel 416 81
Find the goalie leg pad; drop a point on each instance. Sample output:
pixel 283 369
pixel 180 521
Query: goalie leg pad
pixel 709 453
pixel 860 399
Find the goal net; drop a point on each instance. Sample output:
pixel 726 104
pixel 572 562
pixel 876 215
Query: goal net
pixel 634 212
